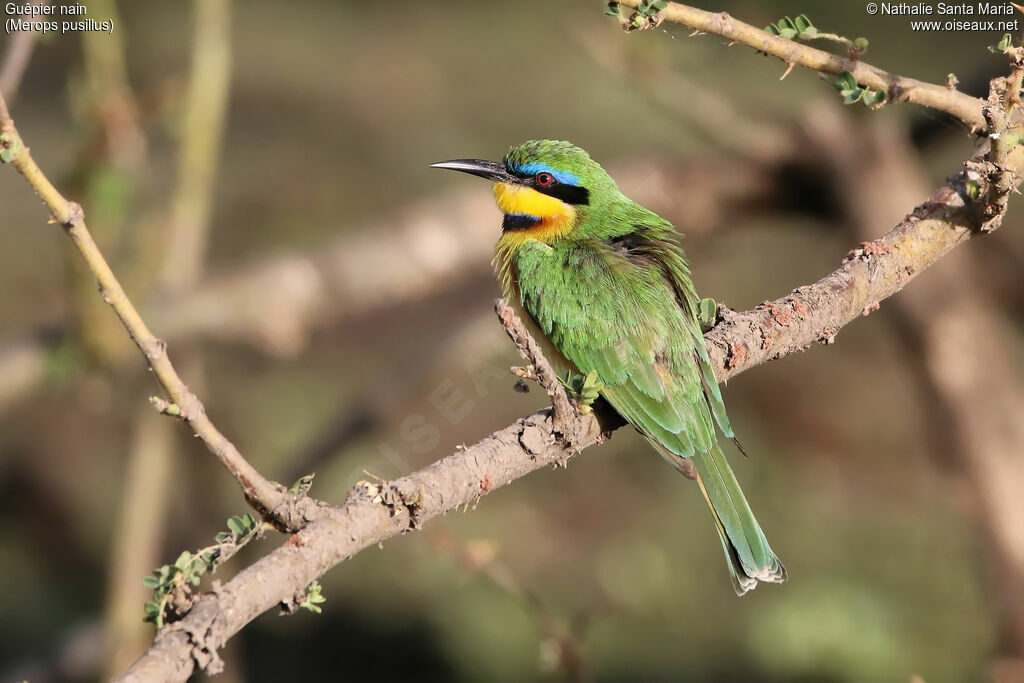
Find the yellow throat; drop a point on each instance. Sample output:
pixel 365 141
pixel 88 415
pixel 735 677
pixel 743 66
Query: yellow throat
pixel 556 217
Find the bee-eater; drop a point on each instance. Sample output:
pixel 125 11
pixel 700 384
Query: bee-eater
pixel 605 281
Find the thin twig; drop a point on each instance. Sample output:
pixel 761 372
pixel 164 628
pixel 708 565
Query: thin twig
pixel 269 499
pixel 897 88
pixel 564 412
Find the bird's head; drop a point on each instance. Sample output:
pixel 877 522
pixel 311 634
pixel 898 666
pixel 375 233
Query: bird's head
pixel 544 188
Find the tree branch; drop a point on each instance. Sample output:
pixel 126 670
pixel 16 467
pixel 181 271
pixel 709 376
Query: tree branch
pixel 372 514
pixel 897 88
pixel 870 273
pixel 269 499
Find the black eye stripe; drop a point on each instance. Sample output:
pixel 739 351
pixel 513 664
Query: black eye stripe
pixel 570 194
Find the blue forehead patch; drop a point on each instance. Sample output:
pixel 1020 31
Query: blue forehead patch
pixel 533 168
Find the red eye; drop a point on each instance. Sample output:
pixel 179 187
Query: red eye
pixel 545 179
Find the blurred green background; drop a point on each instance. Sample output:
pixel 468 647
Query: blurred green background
pixel 859 469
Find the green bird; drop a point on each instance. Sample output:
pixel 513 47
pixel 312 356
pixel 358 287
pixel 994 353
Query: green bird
pixel 606 283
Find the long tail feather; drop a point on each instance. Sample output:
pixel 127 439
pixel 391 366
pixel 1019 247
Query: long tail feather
pixel 747 552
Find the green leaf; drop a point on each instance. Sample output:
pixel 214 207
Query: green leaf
pixel 612 9
pixel 237 526
pixel 861 43
pixel 647 9
pixel 853 96
pixel 772 29
pixel 151 582
pixel 1004 43
pixel 845 81
pixel 183 560
pixel 873 97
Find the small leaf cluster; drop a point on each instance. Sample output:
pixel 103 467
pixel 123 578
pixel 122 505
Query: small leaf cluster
pixel 642 17
pixel 585 389
pixel 800 28
pixel 648 8
pixel 174 581
pixel 847 86
pixel 314 598
pixel 239 528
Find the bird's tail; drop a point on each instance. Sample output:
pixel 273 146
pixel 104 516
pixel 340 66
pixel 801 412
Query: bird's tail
pixel 747 552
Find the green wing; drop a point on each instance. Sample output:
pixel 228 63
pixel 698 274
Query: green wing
pixel 625 309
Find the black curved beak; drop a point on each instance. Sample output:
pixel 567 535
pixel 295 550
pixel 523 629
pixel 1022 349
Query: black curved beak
pixel 491 170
